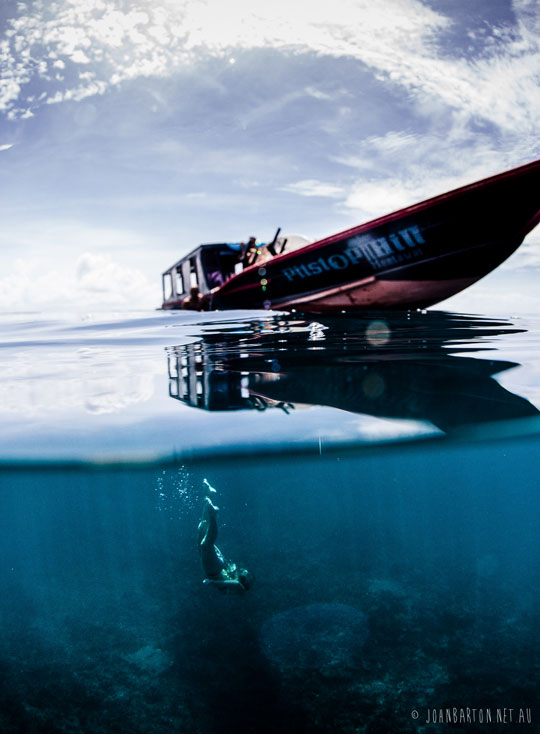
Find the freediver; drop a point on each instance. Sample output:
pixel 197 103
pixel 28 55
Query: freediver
pixel 225 575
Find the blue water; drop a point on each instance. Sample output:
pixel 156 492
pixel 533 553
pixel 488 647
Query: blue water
pixel 378 475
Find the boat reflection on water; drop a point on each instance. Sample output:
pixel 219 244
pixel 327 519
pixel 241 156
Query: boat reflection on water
pixel 407 366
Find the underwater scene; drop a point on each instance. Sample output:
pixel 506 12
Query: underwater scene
pixel 257 522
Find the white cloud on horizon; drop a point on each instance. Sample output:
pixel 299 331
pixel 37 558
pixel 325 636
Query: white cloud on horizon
pixel 488 298
pixel 93 280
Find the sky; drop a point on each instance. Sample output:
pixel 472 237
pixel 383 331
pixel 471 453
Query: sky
pixel 133 130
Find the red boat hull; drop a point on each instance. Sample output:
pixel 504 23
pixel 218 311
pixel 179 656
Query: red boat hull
pixel 412 258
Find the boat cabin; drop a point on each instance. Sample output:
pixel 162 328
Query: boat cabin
pixel 191 281
pixel 205 268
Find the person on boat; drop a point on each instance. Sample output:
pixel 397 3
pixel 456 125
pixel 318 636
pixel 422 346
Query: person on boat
pixel 193 302
pixel 249 252
pixel 223 574
pixel 215 278
pixel 255 252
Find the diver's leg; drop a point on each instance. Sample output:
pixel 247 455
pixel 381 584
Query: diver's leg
pixel 211 557
pixel 208 524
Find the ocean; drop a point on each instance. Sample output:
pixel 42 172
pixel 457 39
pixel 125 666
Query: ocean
pixel 377 475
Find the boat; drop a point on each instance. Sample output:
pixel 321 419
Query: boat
pixel 413 258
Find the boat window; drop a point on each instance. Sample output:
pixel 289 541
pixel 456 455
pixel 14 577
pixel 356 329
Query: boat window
pixel 219 264
pixel 167 286
pixel 179 283
pixel 193 277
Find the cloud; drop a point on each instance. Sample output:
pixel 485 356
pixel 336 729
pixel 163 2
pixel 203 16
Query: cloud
pixel 93 280
pixel 396 40
pixel 398 169
pixel 528 17
pixel 528 255
pixel 479 113
pixel 311 187
pixel 484 298
pixel 65 236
